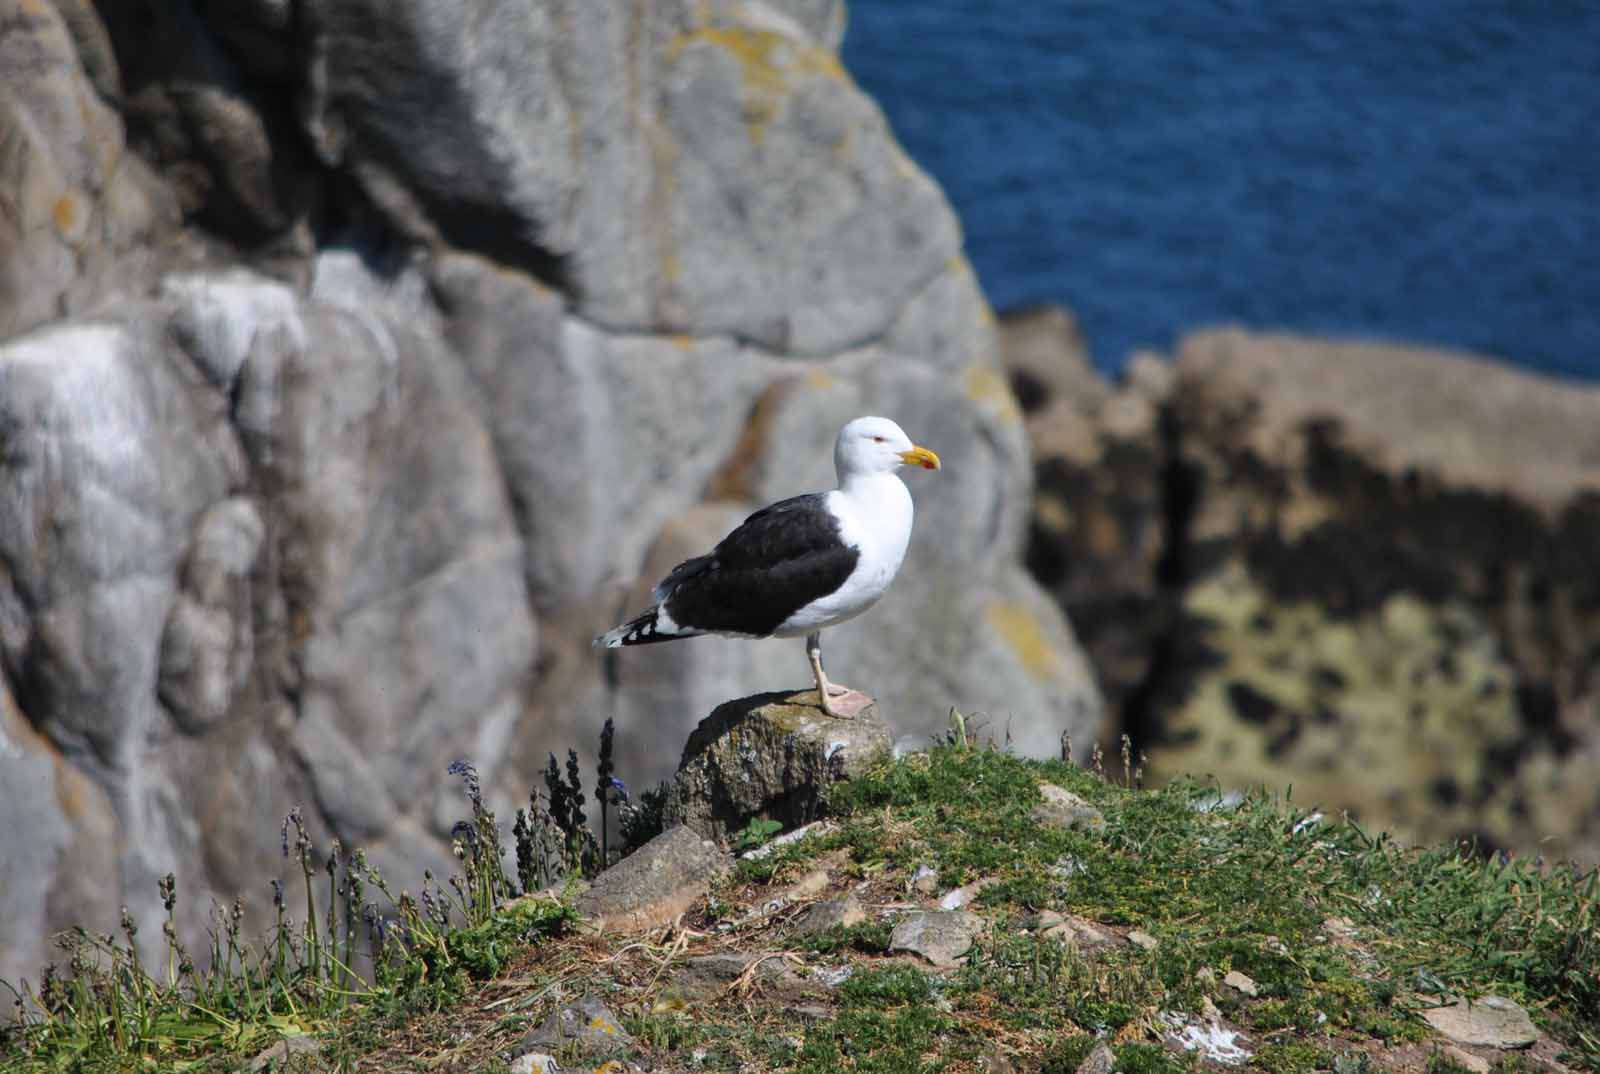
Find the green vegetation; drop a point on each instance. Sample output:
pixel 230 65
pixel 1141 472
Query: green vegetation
pixel 1345 937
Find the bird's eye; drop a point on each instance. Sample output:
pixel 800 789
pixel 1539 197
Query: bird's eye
pixel 879 440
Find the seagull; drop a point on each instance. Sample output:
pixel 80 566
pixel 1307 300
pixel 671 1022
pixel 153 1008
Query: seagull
pixel 800 565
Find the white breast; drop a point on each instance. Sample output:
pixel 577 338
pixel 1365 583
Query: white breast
pixel 875 514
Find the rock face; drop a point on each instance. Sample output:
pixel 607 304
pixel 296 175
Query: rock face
pixel 358 361
pixel 1368 571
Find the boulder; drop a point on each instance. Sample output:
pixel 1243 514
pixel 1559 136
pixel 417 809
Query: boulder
pixel 770 756
pixel 655 883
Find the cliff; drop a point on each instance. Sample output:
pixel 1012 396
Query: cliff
pixel 361 359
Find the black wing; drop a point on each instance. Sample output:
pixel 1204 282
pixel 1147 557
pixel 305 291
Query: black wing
pixel 776 562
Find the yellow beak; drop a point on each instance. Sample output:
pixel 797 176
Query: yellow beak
pixel 920 456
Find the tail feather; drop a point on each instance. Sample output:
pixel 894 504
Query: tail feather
pixel 651 626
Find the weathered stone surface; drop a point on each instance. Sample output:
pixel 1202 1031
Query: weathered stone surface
pixel 1063 809
pixel 301 533
pixel 819 917
pixel 1292 561
pixel 1390 568
pixel 1099 531
pixel 1077 932
pixel 586 1026
pixel 1240 983
pixel 940 936
pixel 771 756
pixel 1100 1060
pixel 602 149
pixel 288 1053
pixel 1492 1021
pixel 76 207
pixel 655 883
pixel 708 977
pixel 1143 940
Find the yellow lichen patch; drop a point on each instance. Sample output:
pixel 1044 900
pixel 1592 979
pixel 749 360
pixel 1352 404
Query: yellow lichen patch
pixel 1020 629
pixel 987 386
pixel 1395 714
pixel 769 64
pixel 1052 514
pixel 820 379
pixel 67 216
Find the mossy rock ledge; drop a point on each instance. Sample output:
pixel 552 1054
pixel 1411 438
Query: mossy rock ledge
pixel 771 756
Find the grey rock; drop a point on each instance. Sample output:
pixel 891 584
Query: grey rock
pixel 708 977
pixel 535 1063
pixel 1492 1021
pixel 773 756
pixel 655 883
pixel 302 539
pixel 287 1054
pixel 209 642
pixel 1241 983
pixel 925 880
pixel 940 936
pixel 1078 932
pixel 76 206
pixel 1063 809
pixel 956 898
pixel 587 1026
pixel 820 917
pixel 1100 1060
pixel 1143 940
pixel 1477 1064
pixel 651 128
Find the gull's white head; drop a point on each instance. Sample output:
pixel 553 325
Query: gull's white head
pixel 877 446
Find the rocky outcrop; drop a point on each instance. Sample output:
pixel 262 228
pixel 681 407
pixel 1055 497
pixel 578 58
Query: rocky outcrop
pixel 358 361
pixel 1367 571
pixel 771 757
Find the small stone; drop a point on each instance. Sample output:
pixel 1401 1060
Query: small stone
pixel 1063 809
pixel 1080 933
pixel 925 881
pixel 817 827
pixel 535 1063
pixel 706 977
pixel 940 936
pixel 1492 1021
pixel 655 883
pixel 956 898
pixel 1475 1063
pixel 1143 940
pixel 1100 1060
pixel 586 1025
pixel 1208 1010
pixel 995 1061
pixel 1240 983
pixel 819 917
pixel 283 1051
pixel 1206 975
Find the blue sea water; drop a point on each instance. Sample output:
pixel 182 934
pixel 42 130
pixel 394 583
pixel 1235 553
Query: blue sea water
pixel 1423 171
